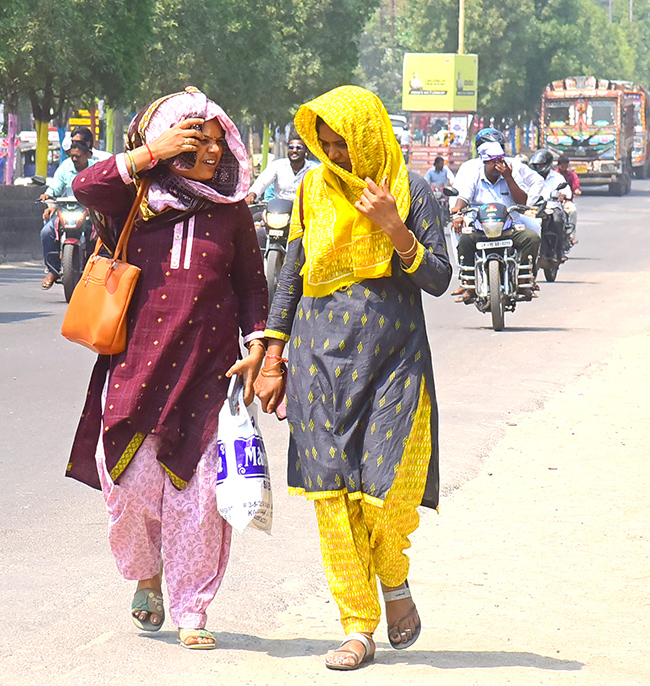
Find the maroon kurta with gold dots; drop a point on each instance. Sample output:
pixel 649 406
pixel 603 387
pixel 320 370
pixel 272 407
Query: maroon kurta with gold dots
pixel 202 281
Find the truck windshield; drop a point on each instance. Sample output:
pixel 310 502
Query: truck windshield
pixel 581 112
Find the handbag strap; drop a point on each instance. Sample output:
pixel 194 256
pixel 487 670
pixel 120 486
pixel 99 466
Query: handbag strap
pixel 128 224
pixel 301 207
pixel 130 220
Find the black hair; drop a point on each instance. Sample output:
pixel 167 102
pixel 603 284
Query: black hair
pixel 85 133
pixel 439 158
pixel 295 136
pixel 563 159
pixel 80 146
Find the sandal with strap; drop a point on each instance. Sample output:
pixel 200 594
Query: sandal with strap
pixel 151 601
pixel 401 594
pixel 359 660
pixel 185 634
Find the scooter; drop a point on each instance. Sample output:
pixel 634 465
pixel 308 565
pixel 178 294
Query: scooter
pixel 76 236
pixel 272 225
pixel 498 277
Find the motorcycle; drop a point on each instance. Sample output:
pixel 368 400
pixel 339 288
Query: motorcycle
pixel 498 276
pixel 555 233
pixel 76 238
pixel 443 203
pixel 272 226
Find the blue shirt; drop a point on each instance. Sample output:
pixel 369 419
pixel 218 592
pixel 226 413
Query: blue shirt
pixel 63 177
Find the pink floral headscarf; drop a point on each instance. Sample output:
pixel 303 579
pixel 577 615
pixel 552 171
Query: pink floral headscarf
pixel 168 190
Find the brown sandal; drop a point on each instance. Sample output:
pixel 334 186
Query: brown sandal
pixel 401 594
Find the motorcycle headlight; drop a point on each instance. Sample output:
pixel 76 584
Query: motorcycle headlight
pixel 72 217
pixel 277 220
pixel 492 229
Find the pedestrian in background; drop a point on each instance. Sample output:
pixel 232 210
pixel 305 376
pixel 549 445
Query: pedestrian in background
pixel 147 435
pixel 365 242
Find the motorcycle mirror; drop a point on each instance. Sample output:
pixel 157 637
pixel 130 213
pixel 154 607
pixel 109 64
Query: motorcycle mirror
pixel 518 208
pixel 562 185
pixel 449 191
pixel 38 180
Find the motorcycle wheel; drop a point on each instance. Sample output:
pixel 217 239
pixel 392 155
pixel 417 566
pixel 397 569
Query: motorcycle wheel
pixel 550 272
pixel 70 269
pixel 496 296
pixel 274 262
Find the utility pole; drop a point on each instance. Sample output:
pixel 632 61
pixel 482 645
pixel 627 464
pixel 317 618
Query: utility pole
pixel 461 26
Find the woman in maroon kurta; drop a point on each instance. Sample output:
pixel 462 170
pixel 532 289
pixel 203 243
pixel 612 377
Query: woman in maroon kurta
pixel 147 435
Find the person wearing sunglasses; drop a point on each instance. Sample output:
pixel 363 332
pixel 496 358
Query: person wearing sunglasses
pixel 285 173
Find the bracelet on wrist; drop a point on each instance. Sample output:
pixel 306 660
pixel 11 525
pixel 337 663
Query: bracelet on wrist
pixel 256 342
pixel 151 157
pixel 412 249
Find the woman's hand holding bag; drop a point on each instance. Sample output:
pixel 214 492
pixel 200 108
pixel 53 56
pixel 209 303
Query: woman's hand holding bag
pixel 244 495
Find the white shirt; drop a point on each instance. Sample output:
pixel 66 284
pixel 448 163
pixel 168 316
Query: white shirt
pixel 281 173
pixel 475 189
pixel 551 182
pixel 99 155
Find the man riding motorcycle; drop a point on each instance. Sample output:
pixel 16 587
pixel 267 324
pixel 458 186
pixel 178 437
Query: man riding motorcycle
pixel 494 178
pixel 542 162
pixel 285 173
pixel 79 158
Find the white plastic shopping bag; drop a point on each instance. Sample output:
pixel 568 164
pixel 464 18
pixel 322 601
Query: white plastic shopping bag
pixel 243 484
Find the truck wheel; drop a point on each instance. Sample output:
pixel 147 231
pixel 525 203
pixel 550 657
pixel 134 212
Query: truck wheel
pixel 496 296
pixel 616 188
pixel 70 269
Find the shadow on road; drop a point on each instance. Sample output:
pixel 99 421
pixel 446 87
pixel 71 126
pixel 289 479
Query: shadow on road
pixel 9 317
pixel 440 659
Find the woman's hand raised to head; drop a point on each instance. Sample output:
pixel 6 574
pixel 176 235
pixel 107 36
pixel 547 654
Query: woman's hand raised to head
pixel 378 204
pixel 180 138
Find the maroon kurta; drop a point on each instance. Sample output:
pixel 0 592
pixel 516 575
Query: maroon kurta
pixel 202 281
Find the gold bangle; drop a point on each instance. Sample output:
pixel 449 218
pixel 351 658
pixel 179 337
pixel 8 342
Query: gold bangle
pixel 256 341
pixel 413 249
pixel 264 373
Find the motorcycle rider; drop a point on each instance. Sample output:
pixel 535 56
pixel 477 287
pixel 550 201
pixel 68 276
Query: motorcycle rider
pixel 574 182
pixel 494 178
pixel 439 176
pixel 285 173
pixel 79 158
pixel 82 134
pixel 542 162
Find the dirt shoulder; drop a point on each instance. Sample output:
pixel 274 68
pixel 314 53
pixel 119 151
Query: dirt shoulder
pixel 535 572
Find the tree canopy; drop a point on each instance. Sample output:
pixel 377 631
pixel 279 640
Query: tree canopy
pixel 521 46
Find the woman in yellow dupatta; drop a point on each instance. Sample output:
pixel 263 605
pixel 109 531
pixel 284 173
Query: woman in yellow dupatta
pixel 365 241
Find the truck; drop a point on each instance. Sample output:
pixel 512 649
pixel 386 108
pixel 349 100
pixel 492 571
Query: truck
pixel 444 134
pixel 641 145
pixel 591 121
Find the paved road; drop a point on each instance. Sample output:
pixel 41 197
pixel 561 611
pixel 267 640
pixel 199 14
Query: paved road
pixel 64 607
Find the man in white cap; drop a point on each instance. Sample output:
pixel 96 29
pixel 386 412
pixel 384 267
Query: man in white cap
pixel 494 178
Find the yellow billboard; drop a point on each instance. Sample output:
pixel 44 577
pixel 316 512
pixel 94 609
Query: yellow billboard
pixel 439 82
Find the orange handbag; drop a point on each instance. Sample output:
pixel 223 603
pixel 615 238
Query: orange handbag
pixel 96 315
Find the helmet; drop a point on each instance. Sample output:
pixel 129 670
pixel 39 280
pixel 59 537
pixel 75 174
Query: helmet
pixel 494 219
pixel 490 135
pixel 541 161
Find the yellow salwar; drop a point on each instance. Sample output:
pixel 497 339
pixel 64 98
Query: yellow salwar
pixel 361 540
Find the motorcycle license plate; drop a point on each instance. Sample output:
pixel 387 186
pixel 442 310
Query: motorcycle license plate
pixel 580 169
pixel 486 245
pixel 276 233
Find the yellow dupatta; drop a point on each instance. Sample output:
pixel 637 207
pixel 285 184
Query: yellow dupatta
pixel 341 245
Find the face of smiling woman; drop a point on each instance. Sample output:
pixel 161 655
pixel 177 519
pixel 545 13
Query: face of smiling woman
pixel 208 154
